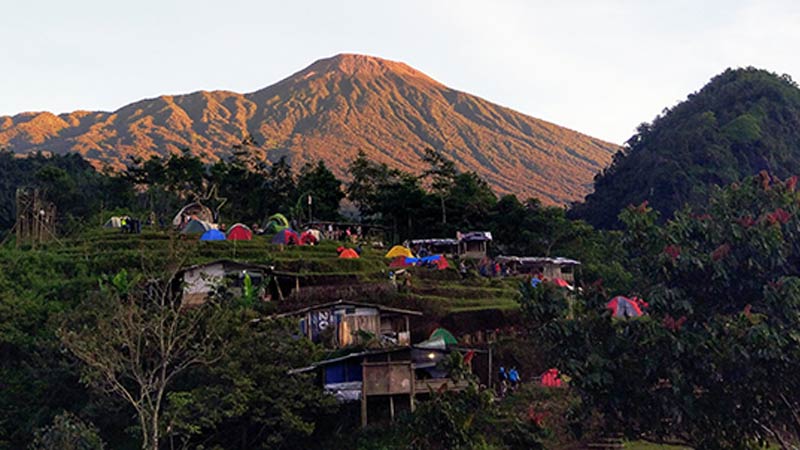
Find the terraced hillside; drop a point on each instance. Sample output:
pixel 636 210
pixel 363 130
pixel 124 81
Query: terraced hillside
pixel 72 267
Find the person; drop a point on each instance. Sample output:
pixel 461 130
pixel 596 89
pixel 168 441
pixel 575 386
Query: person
pixel 462 268
pixel 359 249
pixel 503 381
pixel 513 377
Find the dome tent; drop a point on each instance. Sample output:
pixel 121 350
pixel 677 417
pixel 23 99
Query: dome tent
pixel 240 232
pixel 213 235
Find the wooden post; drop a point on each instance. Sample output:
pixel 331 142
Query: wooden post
pixel 413 377
pixel 297 285
pixel 391 407
pixel 363 396
pixel 491 375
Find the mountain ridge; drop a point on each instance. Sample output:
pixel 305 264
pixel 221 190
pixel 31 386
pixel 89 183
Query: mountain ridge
pixel 330 110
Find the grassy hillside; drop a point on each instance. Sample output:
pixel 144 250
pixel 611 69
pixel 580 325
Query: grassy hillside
pixel 66 269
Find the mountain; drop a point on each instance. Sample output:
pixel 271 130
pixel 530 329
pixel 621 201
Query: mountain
pixel 330 111
pixel 742 122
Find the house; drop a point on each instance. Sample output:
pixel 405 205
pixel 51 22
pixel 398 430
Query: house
pixel 341 323
pixel 196 283
pixel 474 244
pixel 550 268
pixel 389 380
pixel 436 246
pixel 471 245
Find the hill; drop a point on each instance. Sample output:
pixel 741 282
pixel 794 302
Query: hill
pixel 331 110
pixel 742 122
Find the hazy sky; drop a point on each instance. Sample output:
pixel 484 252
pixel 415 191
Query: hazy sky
pixel 600 67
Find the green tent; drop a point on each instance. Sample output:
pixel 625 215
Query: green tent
pixel 276 223
pixel 445 335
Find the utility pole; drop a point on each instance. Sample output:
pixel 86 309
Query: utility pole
pixel 310 216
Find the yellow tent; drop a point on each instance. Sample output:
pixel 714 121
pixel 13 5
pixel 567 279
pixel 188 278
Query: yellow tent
pixel 399 250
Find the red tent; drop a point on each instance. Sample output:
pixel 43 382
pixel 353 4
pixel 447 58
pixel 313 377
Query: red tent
pixel 348 253
pixel 308 238
pixel 240 232
pixel 625 307
pixel 441 263
pixel 399 263
pixel 287 237
pixel 551 378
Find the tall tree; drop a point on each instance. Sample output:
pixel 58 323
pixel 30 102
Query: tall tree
pixel 135 339
pixel 317 183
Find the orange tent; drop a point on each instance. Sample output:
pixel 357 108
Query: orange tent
pixel 348 253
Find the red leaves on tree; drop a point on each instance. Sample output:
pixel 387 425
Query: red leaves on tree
pixel 721 252
pixel 642 208
pixel 673 251
pixel 791 183
pixel 536 416
pixel 780 215
pixel 765 179
pixel 671 324
pixel 747 221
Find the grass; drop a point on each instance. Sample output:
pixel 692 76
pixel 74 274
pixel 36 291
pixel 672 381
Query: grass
pixel 643 445
pixel 78 261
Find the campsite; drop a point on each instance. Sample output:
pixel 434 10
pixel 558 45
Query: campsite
pixel 208 246
pixel 378 326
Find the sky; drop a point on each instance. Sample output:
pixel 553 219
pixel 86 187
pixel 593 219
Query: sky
pixel 600 67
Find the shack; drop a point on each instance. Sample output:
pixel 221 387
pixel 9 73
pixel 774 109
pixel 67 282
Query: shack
pixel 435 246
pixel 340 324
pixel 196 283
pixel 474 244
pixel 387 381
pixel 550 268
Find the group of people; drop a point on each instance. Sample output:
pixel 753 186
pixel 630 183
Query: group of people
pixel 508 379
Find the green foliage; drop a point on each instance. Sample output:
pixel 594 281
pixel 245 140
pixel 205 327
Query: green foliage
pixel 713 362
pixel 743 121
pixel 325 190
pixel 68 432
pixel 459 420
pixel 246 400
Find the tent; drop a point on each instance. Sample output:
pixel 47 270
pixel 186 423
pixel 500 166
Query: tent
pixel 624 307
pixel 399 250
pixel 348 253
pixel 551 378
pixel 562 283
pixel 309 238
pixel 195 211
pixel 240 232
pixel 196 226
pixel 276 223
pixel 400 262
pixel 116 222
pixel 446 336
pixel 213 235
pixel 287 237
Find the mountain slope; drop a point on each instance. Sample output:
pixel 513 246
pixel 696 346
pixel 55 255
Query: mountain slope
pixel 742 122
pixel 330 111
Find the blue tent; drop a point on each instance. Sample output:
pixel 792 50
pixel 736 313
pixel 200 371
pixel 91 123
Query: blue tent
pixel 213 235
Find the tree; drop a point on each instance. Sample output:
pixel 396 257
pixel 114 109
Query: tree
pixel 324 189
pixel 443 173
pixel 68 432
pixel 134 339
pixel 714 361
pixel 246 400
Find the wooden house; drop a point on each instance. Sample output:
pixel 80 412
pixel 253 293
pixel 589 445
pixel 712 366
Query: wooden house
pixel 474 244
pixel 342 323
pixel 196 283
pixel 549 268
pixel 386 382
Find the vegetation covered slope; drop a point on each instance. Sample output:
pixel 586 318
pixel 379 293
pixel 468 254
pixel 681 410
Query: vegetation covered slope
pixel 742 122
pixel 329 111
